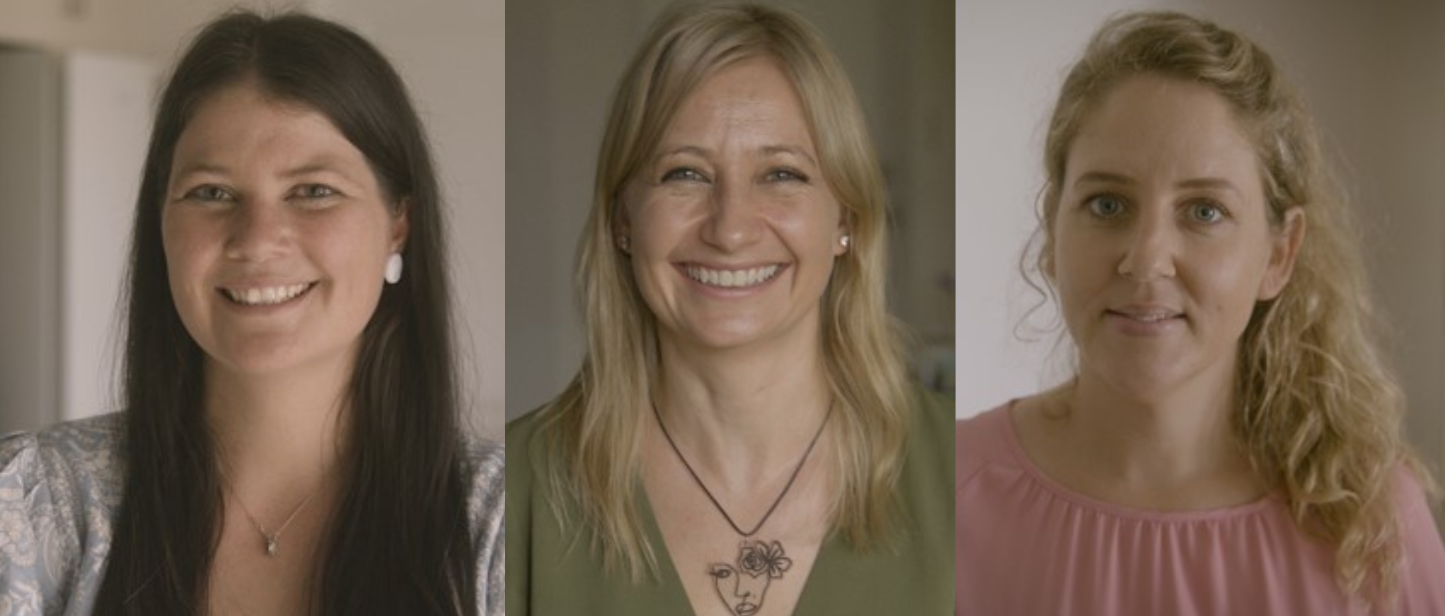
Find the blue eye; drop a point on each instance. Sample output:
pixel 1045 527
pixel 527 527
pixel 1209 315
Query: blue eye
pixel 785 175
pixel 314 191
pixel 1206 212
pixel 684 174
pixel 1106 206
pixel 209 193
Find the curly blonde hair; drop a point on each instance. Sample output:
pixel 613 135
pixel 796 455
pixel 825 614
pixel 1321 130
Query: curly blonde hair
pixel 593 430
pixel 1319 412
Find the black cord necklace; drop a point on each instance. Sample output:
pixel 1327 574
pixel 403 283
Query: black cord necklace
pixel 742 585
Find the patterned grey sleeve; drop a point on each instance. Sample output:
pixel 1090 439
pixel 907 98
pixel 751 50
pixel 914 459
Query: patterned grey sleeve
pixel 27 585
pixel 58 492
pixel 487 503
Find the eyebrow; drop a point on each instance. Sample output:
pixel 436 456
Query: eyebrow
pixel 767 150
pixel 790 149
pixel 319 164
pixel 200 168
pixel 1101 177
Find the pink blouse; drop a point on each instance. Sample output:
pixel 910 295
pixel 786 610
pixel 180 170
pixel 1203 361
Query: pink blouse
pixel 1026 546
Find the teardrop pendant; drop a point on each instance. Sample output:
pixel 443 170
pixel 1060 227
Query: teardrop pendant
pixel 271 545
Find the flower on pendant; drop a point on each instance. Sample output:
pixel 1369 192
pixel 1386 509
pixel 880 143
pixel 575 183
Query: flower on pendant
pixel 763 557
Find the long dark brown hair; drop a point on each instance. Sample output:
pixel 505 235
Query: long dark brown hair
pixel 399 540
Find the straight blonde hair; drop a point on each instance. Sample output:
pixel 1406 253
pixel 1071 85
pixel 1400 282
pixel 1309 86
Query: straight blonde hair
pixel 593 430
pixel 1318 410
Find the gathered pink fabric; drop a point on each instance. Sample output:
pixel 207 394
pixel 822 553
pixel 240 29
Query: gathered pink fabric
pixel 1027 546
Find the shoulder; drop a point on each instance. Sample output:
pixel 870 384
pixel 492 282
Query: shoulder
pixel 525 440
pixel 485 463
pixel 86 454
pixel 1420 588
pixel 933 413
pixel 520 431
pixel 981 440
pixel 59 490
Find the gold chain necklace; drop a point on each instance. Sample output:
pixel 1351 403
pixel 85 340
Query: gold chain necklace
pixel 742 585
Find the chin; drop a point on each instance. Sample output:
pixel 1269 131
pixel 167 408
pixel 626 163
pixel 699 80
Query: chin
pixel 724 338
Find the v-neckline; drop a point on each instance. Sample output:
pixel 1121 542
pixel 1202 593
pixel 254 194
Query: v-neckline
pixel 672 578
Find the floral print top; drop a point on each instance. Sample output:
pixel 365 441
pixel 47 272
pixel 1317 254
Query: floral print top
pixel 60 489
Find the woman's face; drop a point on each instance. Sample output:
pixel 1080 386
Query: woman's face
pixel 733 228
pixel 1162 239
pixel 276 235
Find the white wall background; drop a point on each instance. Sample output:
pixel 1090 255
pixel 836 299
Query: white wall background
pixel 563 63
pixel 1374 74
pixel 450 53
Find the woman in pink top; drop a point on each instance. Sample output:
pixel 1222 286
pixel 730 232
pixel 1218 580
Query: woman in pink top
pixel 1230 442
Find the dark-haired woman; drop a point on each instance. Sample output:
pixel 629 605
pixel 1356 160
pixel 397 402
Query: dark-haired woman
pixel 291 441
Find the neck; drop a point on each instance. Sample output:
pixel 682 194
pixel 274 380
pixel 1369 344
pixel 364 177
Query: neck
pixel 276 435
pixel 742 414
pixel 1154 444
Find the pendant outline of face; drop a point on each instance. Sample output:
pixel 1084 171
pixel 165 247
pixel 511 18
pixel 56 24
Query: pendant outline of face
pixel 742 588
pixel 742 592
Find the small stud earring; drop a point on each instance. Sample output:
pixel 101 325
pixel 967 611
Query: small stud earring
pixel 393 269
pixel 624 243
pixel 845 240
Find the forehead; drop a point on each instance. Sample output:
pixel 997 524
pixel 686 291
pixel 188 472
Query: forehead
pixel 241 124
pixel 754 93
pixel 1164 128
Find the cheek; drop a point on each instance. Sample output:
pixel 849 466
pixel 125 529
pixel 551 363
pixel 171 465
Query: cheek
pixel 1232 285
pixel 188 245
pixel 810 228
pixel 1079 264
pixel 358 245
pixel 656 231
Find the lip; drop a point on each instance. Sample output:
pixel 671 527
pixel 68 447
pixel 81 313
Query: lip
pixel 1145 319
pixel 688 270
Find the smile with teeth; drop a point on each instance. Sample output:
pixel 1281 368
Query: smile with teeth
pixel 732 279
pixel 266 296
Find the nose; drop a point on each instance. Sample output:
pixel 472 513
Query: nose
pixel 258 230
pixel 733 217
pixel 1152 245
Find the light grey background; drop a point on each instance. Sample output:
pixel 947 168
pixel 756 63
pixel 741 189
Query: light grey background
pixel 563 61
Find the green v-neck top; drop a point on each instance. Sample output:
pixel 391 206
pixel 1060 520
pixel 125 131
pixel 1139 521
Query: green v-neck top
pixel 551 571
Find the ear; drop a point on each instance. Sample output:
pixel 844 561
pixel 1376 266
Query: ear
pixel 400 225
pixel 844 230
pixel 1284 247
pixel 1046 234
pixel 621 230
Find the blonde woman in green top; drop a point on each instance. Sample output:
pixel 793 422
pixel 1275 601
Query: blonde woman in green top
pixel 742 437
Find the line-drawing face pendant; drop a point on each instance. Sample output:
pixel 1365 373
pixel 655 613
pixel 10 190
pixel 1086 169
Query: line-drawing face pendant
pixel 741 586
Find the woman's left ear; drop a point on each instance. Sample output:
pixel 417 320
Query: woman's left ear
pixel 400 225
pixel 1284 247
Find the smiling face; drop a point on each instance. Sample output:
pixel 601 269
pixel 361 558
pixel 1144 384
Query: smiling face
pixel 1163 243
pixel 733 228
pixel 276 235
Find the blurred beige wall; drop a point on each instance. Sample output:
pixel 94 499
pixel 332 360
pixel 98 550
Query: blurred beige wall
pixel 449 52
pixel 564 60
